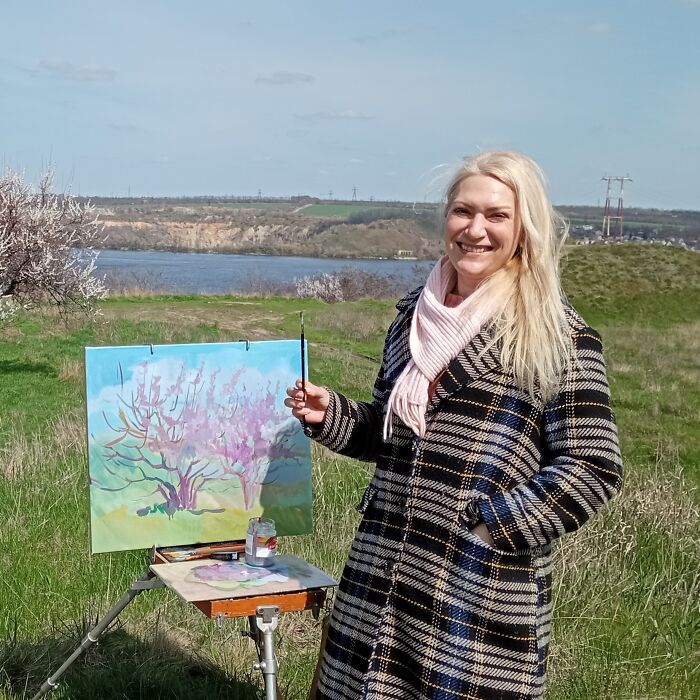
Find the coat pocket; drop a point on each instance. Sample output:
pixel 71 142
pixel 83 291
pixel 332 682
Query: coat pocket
pixel 466 523
pixel 490 607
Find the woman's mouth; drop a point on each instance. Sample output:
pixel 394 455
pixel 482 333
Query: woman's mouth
pixel 465 248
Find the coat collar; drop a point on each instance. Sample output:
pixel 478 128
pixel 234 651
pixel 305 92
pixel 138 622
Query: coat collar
pixel 480 358
pixel 409 302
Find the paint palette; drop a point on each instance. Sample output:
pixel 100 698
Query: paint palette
pixel 209 580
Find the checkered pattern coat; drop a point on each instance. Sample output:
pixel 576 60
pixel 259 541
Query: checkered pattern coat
pixel 425 609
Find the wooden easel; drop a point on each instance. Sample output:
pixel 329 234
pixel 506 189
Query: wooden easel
pixel 262 612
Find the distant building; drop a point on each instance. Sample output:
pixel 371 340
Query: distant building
pixel 406 254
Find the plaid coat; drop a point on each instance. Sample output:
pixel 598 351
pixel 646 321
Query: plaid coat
pixel 425 609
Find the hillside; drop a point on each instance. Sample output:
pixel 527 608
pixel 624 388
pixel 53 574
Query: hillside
pixel 333 229
pixel 364 232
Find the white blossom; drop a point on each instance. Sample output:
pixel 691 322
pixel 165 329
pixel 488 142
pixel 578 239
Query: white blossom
pixel 47 250
pixel 324 286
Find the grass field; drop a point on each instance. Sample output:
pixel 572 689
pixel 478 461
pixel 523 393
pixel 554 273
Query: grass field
pixel 340 209
pixel 268 206
pixel 627 616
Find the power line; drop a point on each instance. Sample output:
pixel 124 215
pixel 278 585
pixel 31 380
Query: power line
pixel 608 216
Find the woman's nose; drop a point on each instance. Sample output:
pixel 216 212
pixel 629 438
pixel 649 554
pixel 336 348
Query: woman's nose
pixel 476 225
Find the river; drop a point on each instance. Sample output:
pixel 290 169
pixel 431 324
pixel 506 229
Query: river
pixel 219 273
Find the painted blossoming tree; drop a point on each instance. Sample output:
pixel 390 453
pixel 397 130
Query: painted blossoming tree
pixel 184 436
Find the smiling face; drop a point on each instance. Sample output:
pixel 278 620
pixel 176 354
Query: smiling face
pixel 482 230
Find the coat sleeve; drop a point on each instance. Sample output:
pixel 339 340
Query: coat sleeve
pixel 354 428
pixel 582 467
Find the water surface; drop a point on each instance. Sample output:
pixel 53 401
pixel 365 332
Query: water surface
pixel 219 273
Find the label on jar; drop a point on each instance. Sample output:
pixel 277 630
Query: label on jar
pixel 260 542
pixel 261 545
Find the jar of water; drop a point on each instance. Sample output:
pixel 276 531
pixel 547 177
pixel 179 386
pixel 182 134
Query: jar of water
pixel 260 542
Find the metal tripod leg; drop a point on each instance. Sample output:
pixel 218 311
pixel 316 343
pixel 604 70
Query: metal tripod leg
pixel 145 582
pixel 262 627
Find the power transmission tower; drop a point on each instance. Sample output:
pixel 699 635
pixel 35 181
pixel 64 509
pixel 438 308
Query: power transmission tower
pixel 330 194
pixel 354 194
pixel 608 216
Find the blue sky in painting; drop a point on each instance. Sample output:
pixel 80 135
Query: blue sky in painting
pixel 273 363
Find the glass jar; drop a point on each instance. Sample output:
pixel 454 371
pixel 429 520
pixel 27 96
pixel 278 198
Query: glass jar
pixel 260 542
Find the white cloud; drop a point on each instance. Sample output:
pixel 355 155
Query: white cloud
pixel 333 116
pixel 284 77
pixel 65 70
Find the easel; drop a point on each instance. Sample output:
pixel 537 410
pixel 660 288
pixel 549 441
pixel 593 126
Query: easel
pixel 262 611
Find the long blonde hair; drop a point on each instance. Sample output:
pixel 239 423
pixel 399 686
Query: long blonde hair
pixel 531 327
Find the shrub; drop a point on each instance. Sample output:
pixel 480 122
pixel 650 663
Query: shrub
pixel 46 248
pixel 324 286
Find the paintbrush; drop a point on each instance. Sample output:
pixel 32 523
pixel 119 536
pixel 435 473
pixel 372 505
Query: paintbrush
pixel 187 553
pixel 303 363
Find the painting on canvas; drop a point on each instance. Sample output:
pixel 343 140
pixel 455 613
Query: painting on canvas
pixel 211 580
pixel 186 443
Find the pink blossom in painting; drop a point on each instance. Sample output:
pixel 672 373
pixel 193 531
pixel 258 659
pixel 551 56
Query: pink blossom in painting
pixel 184 436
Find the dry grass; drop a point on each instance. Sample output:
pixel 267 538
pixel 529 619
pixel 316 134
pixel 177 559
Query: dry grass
pixel 222 315
pixel 18 453
pixel 633 573
pixel 68 434
pixel 345 318
pixel 21 453
pixel 72 371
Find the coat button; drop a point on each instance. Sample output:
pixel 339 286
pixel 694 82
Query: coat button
pixel 389 568
pixel 402 503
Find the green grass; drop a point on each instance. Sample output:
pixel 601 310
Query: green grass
pixel 339 209
pixel 627 589
pixel 251 204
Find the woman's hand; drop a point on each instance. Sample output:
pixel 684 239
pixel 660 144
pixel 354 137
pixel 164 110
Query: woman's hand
pixel 312 407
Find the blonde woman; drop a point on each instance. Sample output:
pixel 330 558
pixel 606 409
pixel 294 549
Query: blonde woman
pixel 492 433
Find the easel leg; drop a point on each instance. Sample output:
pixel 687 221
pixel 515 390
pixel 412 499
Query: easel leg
pixel 262 627
pixel 144 583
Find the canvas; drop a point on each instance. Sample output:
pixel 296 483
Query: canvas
pixel 186 443
pixel 211 580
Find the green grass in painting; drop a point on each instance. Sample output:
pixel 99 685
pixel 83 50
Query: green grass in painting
pixel 627 618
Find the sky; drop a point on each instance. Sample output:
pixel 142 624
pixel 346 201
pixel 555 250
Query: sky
pixel 173 98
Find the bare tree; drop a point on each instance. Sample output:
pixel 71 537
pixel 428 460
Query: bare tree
pixel 47 251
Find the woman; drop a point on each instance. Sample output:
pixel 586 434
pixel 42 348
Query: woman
pixel 491 428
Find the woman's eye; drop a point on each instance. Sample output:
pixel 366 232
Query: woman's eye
pixel 460 211
pixel 498 216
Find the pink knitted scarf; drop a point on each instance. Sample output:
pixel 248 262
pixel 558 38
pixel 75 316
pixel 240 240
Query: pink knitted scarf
pixel 438 334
